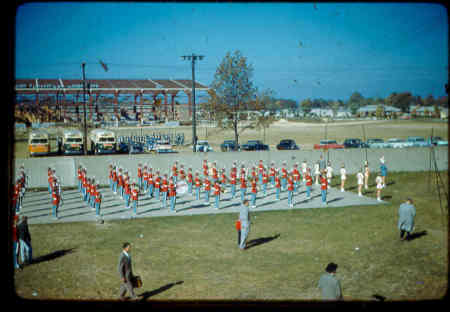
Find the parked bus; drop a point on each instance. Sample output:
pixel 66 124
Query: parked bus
pixel 38 143
pixel 103 141
pixel 71 142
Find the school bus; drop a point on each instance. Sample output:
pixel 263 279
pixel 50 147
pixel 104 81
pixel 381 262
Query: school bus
pixel 103 141
pixel 38 143
pixel 70 142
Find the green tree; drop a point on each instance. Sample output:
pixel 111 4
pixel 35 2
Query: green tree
pixel 356 101
pixel 306 105
pixel 379 113
pixel 233 90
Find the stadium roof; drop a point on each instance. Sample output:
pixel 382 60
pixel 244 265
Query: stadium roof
pixel 23 85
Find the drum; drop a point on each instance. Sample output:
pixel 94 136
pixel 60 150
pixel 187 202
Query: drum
pixel 182 187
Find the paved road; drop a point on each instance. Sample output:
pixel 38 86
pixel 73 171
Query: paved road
pixel 37 205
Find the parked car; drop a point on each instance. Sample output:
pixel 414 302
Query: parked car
pixel 203 146
pixel 287 144
pixel 376 143
pixel 164 147
pixel 354 143
pixel 437 141
pixel 418 141
pixel 254 145
pixel 397 143
pixel 229 145
pixel 328 144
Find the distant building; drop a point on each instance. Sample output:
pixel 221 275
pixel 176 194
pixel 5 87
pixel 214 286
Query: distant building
pixel 322 112
pixel 369 110
pixel 343 113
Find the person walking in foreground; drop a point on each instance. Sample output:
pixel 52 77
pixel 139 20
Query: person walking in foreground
pixel 329 285
pixel 406 215
pixel 25 241
pixel 244 218
pixel 126 272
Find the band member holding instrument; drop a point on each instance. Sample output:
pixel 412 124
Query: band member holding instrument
pixel 197 185
pixel 254 191
pixel 217 191
pixel 172 194
pixel 207 184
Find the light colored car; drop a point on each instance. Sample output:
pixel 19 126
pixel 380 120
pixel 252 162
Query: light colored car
pixel 397 143
pixel 203 146
pixel 418 141
pixel 376 143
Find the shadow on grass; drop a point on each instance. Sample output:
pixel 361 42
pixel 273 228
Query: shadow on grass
pixel 161 289
pixel 413 236
pixel 262 240
pixel 54 255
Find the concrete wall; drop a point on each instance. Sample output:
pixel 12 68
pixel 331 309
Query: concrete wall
pixel 409 159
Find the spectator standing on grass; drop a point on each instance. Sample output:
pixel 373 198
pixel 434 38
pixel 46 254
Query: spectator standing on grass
pixel 406 216
pixel 316 172
pixel 244 218
pixel 15 243
pixel 329 285
pixel 24 237
pixel 126 272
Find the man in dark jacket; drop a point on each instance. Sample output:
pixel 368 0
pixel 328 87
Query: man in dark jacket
pixel 126 272
pixel 24 237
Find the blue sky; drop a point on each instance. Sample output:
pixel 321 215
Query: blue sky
pixel 298 50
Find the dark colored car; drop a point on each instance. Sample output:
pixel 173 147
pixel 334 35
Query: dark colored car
pixel 287 145
pixel 229 145
pixel 354 143
pixel 254 145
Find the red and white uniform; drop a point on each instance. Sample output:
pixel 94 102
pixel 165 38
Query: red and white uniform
pixel 296 174
pixel 216 189
pixel 243 182
pixel 277 182
pixel 157 182
pixel 134 194
pixel 172 189
pixel 323 183
pixel 309 180
pixel 254 188
pixel 164 185
pixel 265 178
pixel 174 171
pixel 207 184
pixel 197 182
pixel 290 184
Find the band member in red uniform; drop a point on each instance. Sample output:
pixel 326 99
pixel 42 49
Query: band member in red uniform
pixel 98 200
pixel 127 191
pixel 290 189
pixel 272 172
pixel 223 177
pixel 145 180
pixel 182 173
pixel 254 191
pixel 309 182
pixel 296 177
pixel 172 194
pixel 114 178
pixel 157 183
pixel 150 182
pixel 197 185
pixel 134 197
pixel 121 185
pixel 324 186
pixel 217 191
pixel 190 180
pixel 207 185
pixel 215 175
pixel 265 181
pixel 205 168
pixel 277 186
pixel 164 188
pixel 175 172
pixel 260 171
pixel 284 174
pixel 79 177
pixel 55 201
pixel 139 175
pixel 243 186
pixel 233 181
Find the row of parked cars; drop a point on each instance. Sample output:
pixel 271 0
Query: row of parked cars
pixel 288 144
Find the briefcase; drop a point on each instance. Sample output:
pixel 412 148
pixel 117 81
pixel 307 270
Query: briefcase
pixel 137 282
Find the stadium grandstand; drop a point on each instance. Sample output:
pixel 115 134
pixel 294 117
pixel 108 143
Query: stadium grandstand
pixel 106 99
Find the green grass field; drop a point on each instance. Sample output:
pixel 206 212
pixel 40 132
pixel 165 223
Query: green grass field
pixel 197 258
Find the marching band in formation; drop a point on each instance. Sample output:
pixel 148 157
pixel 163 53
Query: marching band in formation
pixel 212 181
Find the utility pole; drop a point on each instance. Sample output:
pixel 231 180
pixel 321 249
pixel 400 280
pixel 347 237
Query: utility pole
pixel 83 65
pixel 193 58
